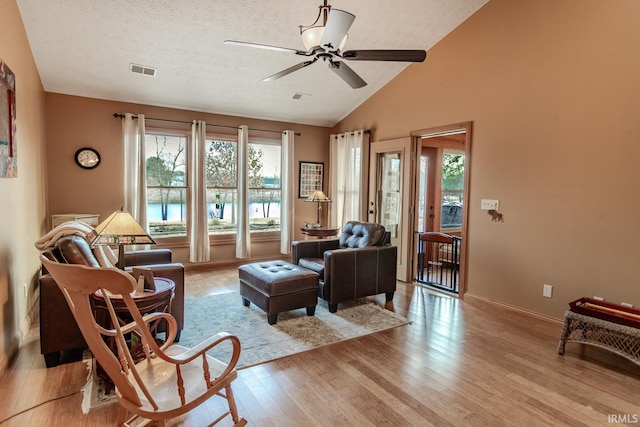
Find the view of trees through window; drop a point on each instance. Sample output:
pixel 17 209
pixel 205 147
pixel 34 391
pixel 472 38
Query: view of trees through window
pixel 263 167
pixel 167 185
pixel 452 190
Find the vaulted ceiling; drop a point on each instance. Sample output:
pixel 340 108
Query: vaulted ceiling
pixel 86 48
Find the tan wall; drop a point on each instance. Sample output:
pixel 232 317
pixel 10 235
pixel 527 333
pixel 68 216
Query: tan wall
pixel 74 122
pixel 551 87
pixel 22 205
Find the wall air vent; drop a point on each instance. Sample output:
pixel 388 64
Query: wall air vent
pixel 141 69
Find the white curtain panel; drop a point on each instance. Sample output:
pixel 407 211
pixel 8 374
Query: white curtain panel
pixel 135 171
pixel 287 200
pixel 243 240
pixel 199 232
pixel 363 136
pixel 135 187
pixel 349 159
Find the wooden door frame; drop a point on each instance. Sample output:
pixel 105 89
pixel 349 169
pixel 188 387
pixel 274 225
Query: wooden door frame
pixel 444 130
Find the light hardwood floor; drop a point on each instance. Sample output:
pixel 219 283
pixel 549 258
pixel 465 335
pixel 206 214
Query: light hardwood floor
pixel 457 364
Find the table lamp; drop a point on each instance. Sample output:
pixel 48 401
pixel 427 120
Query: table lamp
pixel 319 197
pixel 119 229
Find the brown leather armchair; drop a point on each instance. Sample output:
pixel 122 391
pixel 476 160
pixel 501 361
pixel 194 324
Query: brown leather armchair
pixel 359 263
pixel 58 329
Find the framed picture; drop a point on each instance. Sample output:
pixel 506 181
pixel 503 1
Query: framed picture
pixel 146 276
pixel 310 180
pixel 8 162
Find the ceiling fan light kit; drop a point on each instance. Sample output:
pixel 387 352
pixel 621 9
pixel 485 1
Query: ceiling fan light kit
pixel 326 40
pixel 312 36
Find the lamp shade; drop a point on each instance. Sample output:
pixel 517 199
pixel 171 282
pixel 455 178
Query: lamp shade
pixel 318 196
pixel 120 228
pixel 312 36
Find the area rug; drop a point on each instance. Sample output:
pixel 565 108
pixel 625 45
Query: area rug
pixel 294 332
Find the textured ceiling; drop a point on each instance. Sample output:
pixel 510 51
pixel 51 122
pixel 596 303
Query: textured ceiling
pixel 85 48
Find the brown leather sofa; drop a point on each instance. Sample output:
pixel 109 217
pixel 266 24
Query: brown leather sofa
pixel 360 263
pixel 58 329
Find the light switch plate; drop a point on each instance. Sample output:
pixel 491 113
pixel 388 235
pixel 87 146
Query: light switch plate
pixel 488 204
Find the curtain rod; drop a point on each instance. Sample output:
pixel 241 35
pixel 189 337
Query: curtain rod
pixel 121 116
pixel 368 131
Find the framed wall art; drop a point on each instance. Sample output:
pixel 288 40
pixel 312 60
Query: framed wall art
pixel 8 149
pixel 310 180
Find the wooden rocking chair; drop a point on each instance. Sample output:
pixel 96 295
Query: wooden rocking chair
pixel 170 380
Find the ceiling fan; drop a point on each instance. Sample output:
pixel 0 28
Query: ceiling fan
pixel 326 40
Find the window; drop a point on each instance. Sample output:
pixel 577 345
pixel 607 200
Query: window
pixel 167 184
pixel 264 186
pixel 452 190
pixel 221 178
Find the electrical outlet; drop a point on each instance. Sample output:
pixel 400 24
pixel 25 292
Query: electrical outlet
pixel 489 204
pixel 547 291
pixel 598 298
pixel 626 304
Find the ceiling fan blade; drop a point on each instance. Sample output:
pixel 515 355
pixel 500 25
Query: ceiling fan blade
pixel 265 46
pixel 385 55
pixel 347 74
pixel 338 25
pixel 289 70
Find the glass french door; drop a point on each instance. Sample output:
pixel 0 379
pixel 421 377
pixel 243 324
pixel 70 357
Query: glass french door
pixel 390 193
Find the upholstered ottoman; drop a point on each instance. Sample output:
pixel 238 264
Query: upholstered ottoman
pixel 277 286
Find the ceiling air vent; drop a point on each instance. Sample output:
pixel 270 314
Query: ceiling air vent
pixel 300 96
pixel 141 69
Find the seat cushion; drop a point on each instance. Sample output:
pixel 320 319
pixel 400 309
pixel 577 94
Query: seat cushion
pixel 313 264
pixel 358 234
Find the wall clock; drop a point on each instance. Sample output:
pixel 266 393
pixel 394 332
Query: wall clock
pixel 87 158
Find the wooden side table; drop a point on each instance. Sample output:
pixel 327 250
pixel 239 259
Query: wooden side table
pixel 147 302
pixel 320 232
